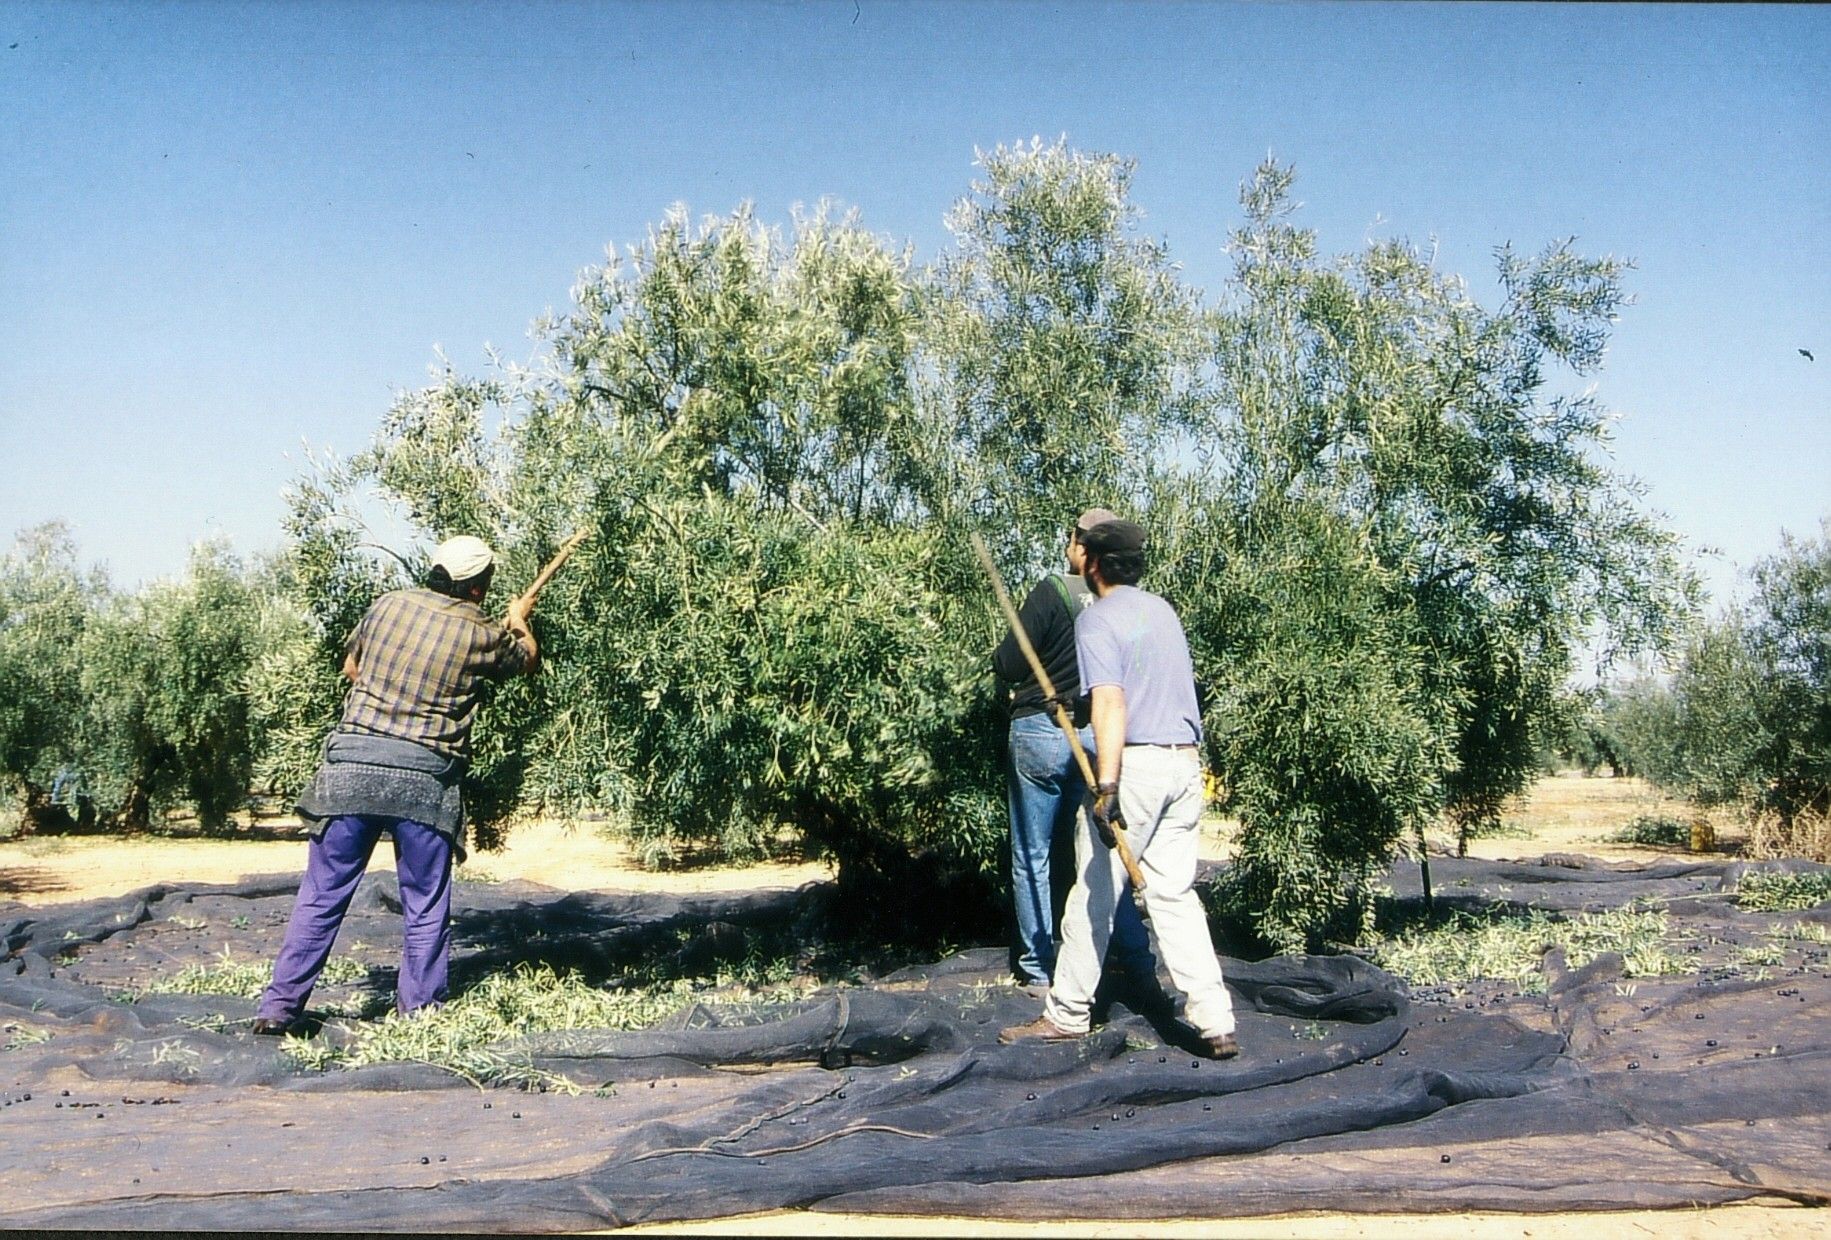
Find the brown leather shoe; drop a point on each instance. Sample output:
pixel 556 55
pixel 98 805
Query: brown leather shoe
pixel 1223 1047
pixel 1041 1028
pixel 267 1027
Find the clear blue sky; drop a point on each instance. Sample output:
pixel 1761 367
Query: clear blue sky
pixel 227 228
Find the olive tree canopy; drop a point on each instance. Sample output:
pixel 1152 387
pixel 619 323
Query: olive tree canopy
pixel 1386 526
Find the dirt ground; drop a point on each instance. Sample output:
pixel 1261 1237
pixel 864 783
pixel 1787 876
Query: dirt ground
pixel 1741 1222
pixel 63 869
pixel 1563 814
pixel 1566 813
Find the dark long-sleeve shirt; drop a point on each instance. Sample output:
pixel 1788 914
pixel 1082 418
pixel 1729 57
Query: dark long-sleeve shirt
pixel 1048 619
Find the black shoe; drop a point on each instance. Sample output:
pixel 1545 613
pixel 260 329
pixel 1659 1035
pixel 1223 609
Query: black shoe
pixel 267 1027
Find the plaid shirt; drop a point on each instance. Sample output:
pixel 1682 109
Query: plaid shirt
pixel 421 661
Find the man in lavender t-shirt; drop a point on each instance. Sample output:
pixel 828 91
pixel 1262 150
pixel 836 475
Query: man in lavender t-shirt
pixel 1134 660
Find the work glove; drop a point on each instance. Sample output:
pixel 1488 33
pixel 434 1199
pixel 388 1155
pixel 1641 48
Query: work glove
pixel 1106 814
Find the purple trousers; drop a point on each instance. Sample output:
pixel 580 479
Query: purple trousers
pixel 334 866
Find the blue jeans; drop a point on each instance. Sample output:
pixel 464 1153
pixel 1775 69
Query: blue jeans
pixel 1046 795
pixel 334 865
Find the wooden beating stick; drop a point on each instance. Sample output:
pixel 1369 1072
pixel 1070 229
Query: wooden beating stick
pixel 1061 714
pixel 560 557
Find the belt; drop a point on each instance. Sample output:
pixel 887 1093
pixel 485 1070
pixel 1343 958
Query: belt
pixel 1173 748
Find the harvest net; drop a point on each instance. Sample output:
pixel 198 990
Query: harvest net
pixel 1354 1091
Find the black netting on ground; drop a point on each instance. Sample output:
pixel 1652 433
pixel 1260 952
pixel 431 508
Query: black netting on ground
pixel 894 1095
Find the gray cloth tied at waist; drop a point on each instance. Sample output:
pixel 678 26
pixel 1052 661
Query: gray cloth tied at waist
pixel 385 777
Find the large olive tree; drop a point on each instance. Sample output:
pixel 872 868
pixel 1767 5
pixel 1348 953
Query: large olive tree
pixel 1386 530
pixel 1397 534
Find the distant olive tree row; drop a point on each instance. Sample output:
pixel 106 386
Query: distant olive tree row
pixel 1384 524
pixel 115 706
pixel 1745 717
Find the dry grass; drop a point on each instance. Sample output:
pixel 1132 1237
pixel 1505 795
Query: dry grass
pixel 1809 837
pixel 569 857
pixel 1735 1222
pixel 1579 814
pixel 1594 804
pixel 584 856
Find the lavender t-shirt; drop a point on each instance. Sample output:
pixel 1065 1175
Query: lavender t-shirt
pixel 1131 638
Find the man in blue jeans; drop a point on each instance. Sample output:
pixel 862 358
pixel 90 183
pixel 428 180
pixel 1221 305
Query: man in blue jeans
pixel 1135 664
pixel 417 664
pixel 1044 782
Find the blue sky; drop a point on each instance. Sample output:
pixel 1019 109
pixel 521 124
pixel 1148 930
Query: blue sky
pixel 230 228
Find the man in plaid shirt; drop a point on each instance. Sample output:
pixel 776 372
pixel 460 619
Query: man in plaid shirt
pixel 417 665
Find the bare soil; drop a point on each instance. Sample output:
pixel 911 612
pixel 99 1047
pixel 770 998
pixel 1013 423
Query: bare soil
pixel 1738 1222
pixel 57 869
pixel 1564 813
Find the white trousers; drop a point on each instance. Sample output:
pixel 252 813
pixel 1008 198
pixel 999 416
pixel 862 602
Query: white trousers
pixel 1160 798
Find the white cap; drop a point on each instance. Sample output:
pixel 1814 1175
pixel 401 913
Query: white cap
pixel 463 557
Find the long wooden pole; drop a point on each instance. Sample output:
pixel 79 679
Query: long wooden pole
pixel 553 566
pixel 1061 714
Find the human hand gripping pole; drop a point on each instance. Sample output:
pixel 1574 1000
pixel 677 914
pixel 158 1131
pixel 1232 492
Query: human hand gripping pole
pixel 1061 714
pixel 521 607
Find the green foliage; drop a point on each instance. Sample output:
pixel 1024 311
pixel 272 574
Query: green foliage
pixel 246 978
pixel 1791 643
pixel 465 1035
pixel 123 704
pixel 1775 890
pixel 1633 725
pixel 1313 718
pixel 817 687
pixel 1062 347
pixel 165 675
pixel 1509 946
pixel 1579 731
pixel 1653 832
pixel 1409 532
pixel 1746 719
pixel 46 605
pixel 1714 728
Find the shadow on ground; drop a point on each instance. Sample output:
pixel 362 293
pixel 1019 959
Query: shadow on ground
pixel 28 880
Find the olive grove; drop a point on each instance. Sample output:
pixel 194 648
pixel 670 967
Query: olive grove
pixel 1744 718
pixel 1386 524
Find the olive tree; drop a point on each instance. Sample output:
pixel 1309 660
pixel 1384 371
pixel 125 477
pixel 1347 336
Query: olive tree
pixel 165 679
pixel 1747 718
pixel 47 602
pixel 1061 348
pixel 1791 642
pixel 1385 528
pixel 768 628
pixel 1413 529
pixel 761 634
